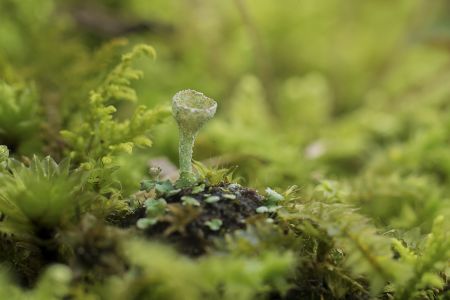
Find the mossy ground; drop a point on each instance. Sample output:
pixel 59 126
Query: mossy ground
pixel 186 226
pixel 348 100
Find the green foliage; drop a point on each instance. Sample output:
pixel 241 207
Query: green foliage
pixel 399 202
pixel 25 188
pixel 41 195
pixel 53 284
pixel 4 155
pixel 370 251
pixel 101 136
pixel 19 119
pixel 214 224
pixel 425 268
pixel 214 277
pixel 154 209
pixel 214 175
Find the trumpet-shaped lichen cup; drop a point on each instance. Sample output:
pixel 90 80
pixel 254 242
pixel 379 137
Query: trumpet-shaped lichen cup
pixel 191 110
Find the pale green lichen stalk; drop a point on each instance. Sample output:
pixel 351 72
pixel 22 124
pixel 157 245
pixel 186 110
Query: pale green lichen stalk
pixel 191 110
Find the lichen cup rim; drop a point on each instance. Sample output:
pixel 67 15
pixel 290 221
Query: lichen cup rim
pixel 181 100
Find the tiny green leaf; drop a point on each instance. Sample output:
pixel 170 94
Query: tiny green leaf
pixel 214 224
pixel 173 192
pixel 262 209
pixel 147 185
pixel 155 208
pixel 145 223
pixel 273 196
pixel 164 186
pixel 212 199
pixel 4 153
pixel 198 189
pixel 190 201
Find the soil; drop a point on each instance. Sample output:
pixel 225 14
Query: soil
pixel 186 226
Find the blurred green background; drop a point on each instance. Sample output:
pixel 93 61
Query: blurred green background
pixel 306 89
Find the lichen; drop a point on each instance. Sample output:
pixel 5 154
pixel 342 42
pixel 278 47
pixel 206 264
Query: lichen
pixel 191 110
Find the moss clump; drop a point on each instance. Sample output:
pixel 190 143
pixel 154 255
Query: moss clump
pixel 94 251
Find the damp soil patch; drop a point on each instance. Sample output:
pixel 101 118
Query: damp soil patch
pixel 191 218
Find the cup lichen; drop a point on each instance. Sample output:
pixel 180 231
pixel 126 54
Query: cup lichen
pixel 191 110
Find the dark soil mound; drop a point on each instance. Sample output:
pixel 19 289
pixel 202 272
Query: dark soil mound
pixel 196 215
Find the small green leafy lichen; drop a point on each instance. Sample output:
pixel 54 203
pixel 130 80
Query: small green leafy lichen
pixel 189 201
pixel 155 207
pixel 212 199
pixel 214 224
